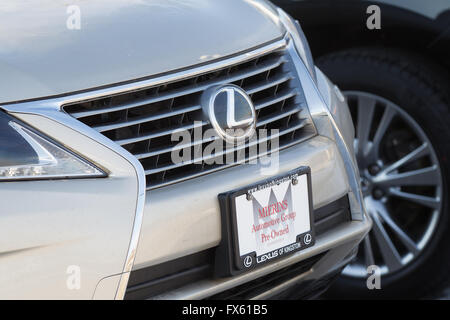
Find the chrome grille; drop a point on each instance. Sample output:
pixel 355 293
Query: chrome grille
pixel 142 121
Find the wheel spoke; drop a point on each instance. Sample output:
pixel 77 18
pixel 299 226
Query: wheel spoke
pixel 420 177
pixel 366 107
pixel 423 200
pixel 388 251
pixel 386 119
pixel 417 153
pixel 403 237
pixel 368 252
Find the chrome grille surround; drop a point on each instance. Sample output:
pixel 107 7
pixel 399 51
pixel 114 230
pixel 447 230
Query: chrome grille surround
pixel 142 120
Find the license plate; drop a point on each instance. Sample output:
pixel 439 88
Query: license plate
pixel 265 222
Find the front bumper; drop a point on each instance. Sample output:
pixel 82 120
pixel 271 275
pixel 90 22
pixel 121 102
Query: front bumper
pixel 332 251
pixel 192 225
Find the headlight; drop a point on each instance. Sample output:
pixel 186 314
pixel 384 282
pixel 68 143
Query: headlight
pixel 26 154
pixel 298 37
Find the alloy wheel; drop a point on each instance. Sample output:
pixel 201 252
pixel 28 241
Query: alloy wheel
pixel 400 181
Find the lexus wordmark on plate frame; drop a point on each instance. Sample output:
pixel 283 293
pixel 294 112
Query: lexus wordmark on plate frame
pixel 172 150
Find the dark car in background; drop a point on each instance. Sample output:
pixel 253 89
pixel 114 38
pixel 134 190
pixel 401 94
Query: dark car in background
pixel 396 81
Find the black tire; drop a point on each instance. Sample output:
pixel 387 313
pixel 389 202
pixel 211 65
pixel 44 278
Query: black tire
pixel 422 90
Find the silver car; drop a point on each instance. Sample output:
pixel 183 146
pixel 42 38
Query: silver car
pixel 170 150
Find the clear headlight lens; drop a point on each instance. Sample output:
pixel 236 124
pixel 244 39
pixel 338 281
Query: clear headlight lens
pixel 26 154
pixel 298 37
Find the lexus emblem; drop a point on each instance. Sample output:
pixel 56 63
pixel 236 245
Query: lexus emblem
pixel 248 261
pixel 231 112
pixel 307 239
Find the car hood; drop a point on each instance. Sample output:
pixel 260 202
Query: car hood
pixel 119 40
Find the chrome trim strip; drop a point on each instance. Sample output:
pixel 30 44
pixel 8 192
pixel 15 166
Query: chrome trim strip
pixel 282 286
pixel 39 106
pixel 326 126
pixel 311 274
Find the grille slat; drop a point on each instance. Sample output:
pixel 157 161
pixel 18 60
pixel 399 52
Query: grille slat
pixel 127 123
pixel 189 175
pixel 278 98
pixel 264 67
pixel 158 151
pixel 268 84
pixel 142 121
pixel 161 133
pixel 280 115
pixel 300 125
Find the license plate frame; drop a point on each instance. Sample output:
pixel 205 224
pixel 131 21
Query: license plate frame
pixel 228 258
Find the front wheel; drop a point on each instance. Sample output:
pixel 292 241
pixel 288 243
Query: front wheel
pixel 400 107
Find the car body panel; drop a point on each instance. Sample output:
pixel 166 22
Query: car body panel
pixel 119 41
pixel 52 231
